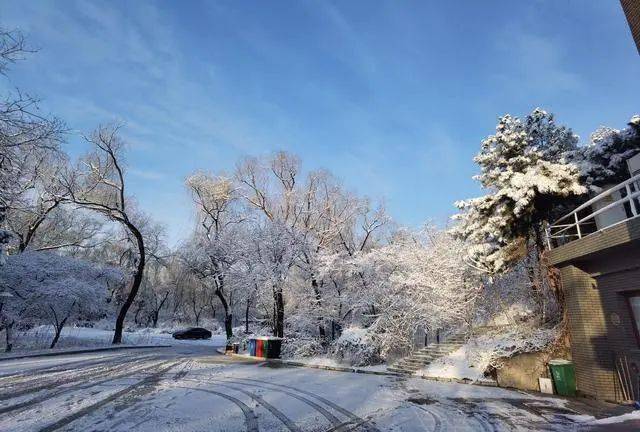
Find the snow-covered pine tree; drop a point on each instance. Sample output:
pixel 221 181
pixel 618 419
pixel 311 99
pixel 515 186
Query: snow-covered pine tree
pixel 526 171
pixel 603 160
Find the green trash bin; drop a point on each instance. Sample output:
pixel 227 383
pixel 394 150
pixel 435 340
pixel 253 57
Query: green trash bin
pixel 564 376
pixel 273 348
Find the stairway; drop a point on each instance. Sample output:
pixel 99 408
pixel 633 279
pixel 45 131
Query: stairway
pixel 424 356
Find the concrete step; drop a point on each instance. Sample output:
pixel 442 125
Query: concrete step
pixel 414 363
pixel 438 353
pixel 410 366
pixel 443 345
pixel 406 369
pixel 439 349
pixel 420 359
pixel 425 356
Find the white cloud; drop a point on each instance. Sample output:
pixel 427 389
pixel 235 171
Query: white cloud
pixel 146 174
pixel 535 63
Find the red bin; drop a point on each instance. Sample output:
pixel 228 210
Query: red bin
pixel 259 348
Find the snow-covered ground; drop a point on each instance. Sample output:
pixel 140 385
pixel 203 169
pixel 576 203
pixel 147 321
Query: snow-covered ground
pixel 40 337
pixel 190 388
pixel 331 362
pixel 458 364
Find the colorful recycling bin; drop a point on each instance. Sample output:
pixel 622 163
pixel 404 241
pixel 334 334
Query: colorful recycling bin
pixel 265 346
pixel 259 348
pixel 564 376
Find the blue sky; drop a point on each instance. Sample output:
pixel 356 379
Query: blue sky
pixel 391 96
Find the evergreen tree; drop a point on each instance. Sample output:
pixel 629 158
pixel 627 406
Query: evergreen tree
pixel 526 170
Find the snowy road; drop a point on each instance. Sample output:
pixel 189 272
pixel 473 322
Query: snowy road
pixel 192 388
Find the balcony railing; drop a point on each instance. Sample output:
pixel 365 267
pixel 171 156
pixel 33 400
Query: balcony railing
pixel 611 207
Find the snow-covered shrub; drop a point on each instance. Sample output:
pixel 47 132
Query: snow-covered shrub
pixel 506 299
pixel 299 347
pixel 48 288
pixel 487 349
pixel 357 347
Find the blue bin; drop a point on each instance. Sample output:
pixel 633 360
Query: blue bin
pixel 252 347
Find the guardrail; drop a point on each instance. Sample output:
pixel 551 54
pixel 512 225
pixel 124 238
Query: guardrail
pixel 615 205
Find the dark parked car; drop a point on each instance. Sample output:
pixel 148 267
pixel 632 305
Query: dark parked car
pixel 192 333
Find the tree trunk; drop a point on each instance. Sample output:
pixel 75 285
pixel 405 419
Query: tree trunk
pixel 228 326
pixel 154 318
pixel 136 316
pixel 273 316
pixel 7 335
pixel 246 315
pixel 227 316
pixel 156 312
pixel 135 286
pixel 58 331
pixel 196 314
pixel 316 291
pixel 279 312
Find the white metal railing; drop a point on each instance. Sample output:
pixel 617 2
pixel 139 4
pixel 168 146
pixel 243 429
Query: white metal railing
pixel 584 220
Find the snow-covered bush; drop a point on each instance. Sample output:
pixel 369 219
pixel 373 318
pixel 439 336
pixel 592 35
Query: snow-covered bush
pixel 300 347
pixel 506 299
pixel 357 347
pixel 52 289
pixel 419 280
pixel 487 349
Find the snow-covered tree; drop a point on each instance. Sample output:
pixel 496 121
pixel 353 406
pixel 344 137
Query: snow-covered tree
pixel 36 214
pixel 25 133
pixel 526 171
pixel 604 159
pixel 52 289
pixel 274 249
pixel 215 249
pixel 419 280
pixel 98 184
pixel 322 217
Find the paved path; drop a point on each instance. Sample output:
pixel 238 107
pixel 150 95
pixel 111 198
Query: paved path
pixel 193 388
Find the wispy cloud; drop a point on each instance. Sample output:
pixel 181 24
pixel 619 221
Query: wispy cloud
pixel 147 174
pixel 537 63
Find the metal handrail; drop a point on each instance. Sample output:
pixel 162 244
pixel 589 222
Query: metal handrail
pixel 598 197
pixel 587 220
pixel 602 210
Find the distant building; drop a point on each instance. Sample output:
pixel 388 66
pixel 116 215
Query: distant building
pixel 632 11
pixel 597 249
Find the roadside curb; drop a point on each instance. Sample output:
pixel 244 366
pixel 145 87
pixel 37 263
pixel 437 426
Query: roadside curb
pixel 82 351
pixel 360 371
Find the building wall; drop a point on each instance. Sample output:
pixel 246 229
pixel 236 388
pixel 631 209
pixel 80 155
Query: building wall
pixel 632 11
pixel 600 322
pixel 587 328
